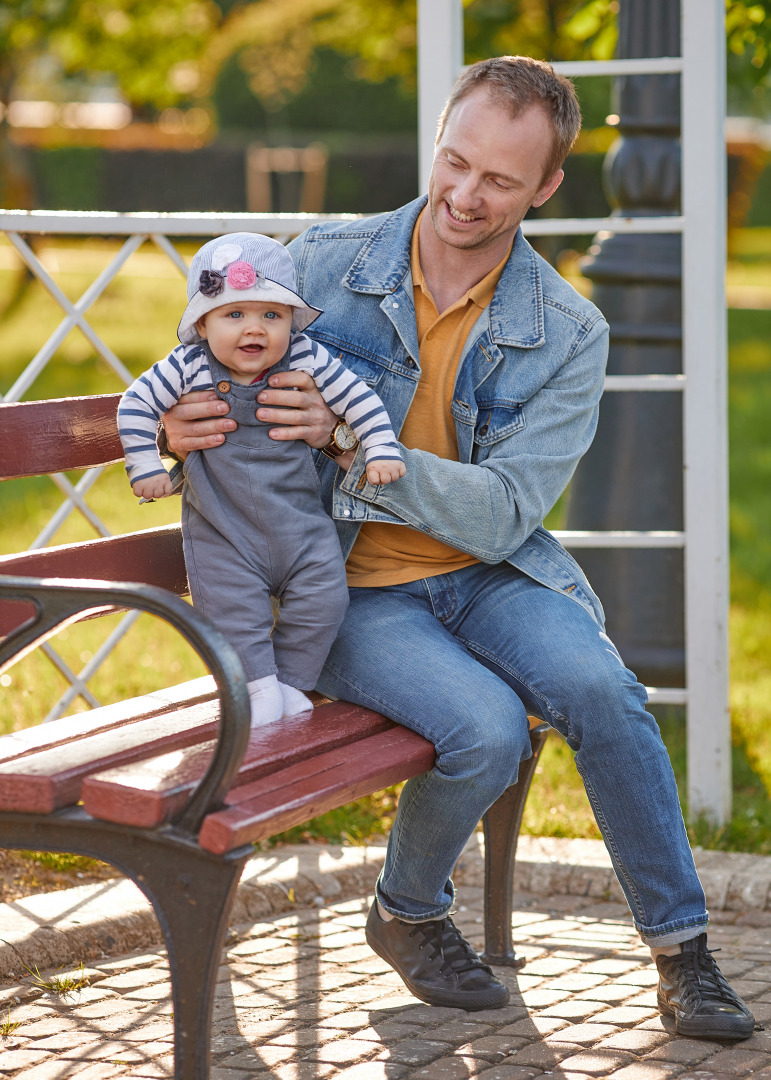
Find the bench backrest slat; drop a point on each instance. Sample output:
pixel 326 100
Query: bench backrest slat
pixel 39 437
pixel 152 556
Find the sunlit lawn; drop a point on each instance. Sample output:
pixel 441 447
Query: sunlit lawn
pixel 137 317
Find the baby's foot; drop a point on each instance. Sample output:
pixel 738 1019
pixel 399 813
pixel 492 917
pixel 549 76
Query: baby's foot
pixel 295 700
pixel 266 700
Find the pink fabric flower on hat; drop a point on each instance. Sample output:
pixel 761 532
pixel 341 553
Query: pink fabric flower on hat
pixel 241 275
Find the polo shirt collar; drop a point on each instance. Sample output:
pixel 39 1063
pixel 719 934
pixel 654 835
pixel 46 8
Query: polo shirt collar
pixel 516 311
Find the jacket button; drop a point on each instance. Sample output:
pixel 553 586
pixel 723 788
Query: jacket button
pixel 346 513
pixel 409 362
pixel 223 387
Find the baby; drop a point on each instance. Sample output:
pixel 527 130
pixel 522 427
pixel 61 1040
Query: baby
pixel 253 525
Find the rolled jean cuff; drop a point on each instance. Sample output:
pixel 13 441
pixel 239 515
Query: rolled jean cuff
pixel 672 933
pixel 405 916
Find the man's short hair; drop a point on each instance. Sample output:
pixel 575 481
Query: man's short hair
pixel 519 82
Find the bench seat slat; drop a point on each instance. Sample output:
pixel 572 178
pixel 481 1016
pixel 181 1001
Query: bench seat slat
pixel 303 791
pixel 68 729
pixel 45 781
pixel 148 793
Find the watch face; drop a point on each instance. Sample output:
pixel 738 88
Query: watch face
pixel 345 437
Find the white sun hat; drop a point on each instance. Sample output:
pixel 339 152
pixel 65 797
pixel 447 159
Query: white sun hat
pixel 237 267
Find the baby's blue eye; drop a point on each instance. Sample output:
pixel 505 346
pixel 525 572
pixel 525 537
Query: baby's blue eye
pixel 235 315
pixel 271 314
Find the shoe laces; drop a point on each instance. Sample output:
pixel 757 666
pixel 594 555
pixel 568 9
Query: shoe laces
pixel 703 977
pixel 446 941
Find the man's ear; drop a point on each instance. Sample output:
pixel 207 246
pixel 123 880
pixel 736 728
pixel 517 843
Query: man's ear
pixel 548 188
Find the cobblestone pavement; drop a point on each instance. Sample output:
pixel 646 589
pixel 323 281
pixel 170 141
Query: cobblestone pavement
pixel 301 997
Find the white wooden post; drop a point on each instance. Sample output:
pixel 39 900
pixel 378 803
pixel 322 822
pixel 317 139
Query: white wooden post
pixel 440 58
pixel 705 405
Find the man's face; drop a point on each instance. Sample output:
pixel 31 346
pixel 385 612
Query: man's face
pixel 488 171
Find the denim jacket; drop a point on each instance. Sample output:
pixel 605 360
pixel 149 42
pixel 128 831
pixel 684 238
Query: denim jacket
pixel 525 402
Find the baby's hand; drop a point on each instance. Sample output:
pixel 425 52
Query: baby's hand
pixel 384 472
pixel 153 487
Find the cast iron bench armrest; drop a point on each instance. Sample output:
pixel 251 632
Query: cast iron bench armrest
pixel 59 602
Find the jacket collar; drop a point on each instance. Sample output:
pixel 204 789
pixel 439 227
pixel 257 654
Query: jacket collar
pixel 516 310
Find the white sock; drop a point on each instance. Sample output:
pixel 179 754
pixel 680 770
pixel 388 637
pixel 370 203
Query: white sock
pixel 266 700
pixel 386 916
pixel 295 700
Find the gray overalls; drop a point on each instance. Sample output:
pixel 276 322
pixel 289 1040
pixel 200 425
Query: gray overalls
pixel 253 527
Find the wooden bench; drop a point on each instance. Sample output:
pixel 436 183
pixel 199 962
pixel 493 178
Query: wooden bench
pixel 173 788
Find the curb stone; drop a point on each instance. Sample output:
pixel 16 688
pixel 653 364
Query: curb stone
pixel 110 918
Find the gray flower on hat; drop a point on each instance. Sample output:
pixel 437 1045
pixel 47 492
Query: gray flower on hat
pixel 211 283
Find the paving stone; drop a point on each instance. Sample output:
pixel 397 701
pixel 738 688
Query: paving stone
pixel 573 1009
pixel 625 1015
pixel 737 1061
pixel 493 1047
pixel 600 1063
pixel 638 1040
pixel 582 1034
pixel 534 1027
pixel 510 1072
pixel 544 1055
pixel 417 1051
pixel 13 1060
pixel 374 1070
pixel 455 1067
pixel 461 1031
pixel 685 1051
pixel 388 1034
pixel 648 1070
pixel 303 1070
pixel 344 1051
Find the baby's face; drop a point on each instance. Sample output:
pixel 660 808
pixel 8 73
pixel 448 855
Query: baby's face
pixel 248 337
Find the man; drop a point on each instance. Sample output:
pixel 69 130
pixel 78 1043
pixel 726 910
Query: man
pixel 464 613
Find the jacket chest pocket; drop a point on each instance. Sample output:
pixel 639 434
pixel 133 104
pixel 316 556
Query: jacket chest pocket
pixel 496 420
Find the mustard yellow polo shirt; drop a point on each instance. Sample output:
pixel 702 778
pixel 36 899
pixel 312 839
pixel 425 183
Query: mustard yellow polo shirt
pixel 386 554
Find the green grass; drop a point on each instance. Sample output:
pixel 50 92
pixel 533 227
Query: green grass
pixel 137 316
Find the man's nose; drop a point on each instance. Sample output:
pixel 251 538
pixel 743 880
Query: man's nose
pixel 466 192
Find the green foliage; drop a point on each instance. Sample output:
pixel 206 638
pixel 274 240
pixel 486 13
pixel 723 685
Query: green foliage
pixel 748 30
pixel 61 862
pixel 8 1026
pixel 61 985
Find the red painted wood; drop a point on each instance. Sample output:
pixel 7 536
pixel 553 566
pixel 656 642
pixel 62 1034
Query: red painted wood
pixel 148 793
pixel 38 437
pixel 44 781
pixel 303 791
pixel 20 744
pixel 153 556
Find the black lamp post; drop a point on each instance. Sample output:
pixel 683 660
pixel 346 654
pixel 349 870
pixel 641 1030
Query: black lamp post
pixel 631 478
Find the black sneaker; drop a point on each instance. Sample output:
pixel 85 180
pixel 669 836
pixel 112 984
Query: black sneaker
pixel 436 963
pixel 692 988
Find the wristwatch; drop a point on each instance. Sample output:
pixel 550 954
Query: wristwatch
pixel 343 438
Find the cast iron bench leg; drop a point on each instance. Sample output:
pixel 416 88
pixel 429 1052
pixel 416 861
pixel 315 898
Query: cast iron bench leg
pixel 192 893
pixel 501 825
pixel 190 890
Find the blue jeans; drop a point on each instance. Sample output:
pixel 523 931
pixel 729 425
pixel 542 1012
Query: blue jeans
pixel 462 658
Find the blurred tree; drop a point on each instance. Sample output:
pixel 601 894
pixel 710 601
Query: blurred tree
pixel 148 50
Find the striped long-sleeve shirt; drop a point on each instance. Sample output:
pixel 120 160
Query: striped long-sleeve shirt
pixel 186 368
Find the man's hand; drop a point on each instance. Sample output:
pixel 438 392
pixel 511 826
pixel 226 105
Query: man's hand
pixel 198 421
pixel 301 412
